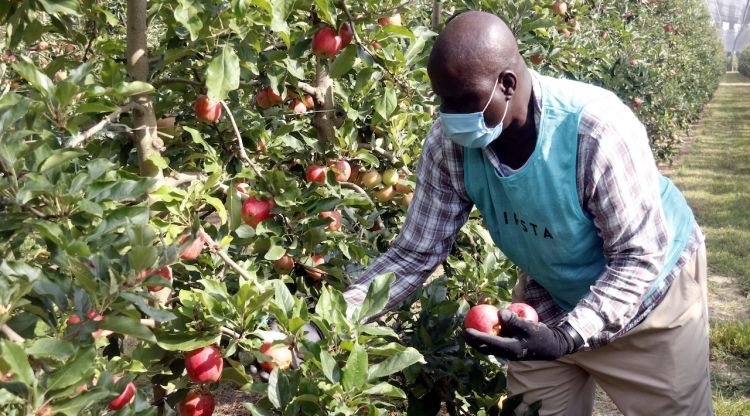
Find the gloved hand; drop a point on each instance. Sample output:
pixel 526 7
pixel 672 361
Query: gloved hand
pixel 525 340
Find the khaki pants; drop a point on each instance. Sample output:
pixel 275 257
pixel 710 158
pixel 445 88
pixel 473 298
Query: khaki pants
pixel 658 368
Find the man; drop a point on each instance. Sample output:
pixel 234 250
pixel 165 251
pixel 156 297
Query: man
pixel 563 175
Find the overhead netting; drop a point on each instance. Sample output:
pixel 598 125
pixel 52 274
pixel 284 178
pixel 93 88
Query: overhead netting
pixel 732 19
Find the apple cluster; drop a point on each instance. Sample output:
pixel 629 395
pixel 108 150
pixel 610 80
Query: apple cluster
pixel 486 317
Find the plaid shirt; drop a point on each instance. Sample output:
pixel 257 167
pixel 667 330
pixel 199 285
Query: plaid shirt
pixel 618 186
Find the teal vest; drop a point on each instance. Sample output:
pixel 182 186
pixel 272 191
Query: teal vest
pixel 534 215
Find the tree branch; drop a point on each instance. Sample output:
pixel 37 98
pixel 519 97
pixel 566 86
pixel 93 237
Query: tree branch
pixel 385 153
pixel 11 334
pixel 76 140
pixel 159 82
pixel 228 260
pixel 307 88
pixel 354 187
pixel 243 155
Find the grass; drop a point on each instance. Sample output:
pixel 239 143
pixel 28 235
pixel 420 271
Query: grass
pixel 715 177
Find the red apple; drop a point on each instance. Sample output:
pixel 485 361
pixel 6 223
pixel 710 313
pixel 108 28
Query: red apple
pixel 127 396
pixel 316 173
pixel 298 106
pixel 536 59
pixel 346 34
pixel 309 102
pixel 567 33
pixel 204 364
pixel 524 311
pixel 326 43
pixel 668 28
pixel 314 272
pixel 604 35
pixel 392 20
pixel 633 62
pixel 341 169
pixel 207 109
pixel 406 199
pixel 280 354
pixel 559 8
pixel 197 403
pixel 284 265
pixel 375 45
pixel 637 102
pixel 166 273
pixel 255 211
pixel 94 316
pixel 42 46
pixel 194 249
pixel 371 179
pixel 267 98
pixel 73 320
pixel 70 47
pixel 384 195
pixel 483 318
pixel 336 216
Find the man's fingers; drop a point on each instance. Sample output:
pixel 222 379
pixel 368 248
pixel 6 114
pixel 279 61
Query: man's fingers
pixel 492 345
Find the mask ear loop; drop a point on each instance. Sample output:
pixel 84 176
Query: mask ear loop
pixel 491 96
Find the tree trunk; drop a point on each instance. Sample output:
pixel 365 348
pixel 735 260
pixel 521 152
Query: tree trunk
pixel 437 8
pixel 324 116
pixel 144 120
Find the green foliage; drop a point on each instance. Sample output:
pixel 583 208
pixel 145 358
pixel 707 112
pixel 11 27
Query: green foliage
pixel 743 64
pixel 732 338
pixel 90 211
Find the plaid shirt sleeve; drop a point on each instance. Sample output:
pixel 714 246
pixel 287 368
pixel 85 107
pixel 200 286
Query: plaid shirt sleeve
pixel 435 215
pixel 620 190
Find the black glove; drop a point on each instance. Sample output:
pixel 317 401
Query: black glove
pixel 525 340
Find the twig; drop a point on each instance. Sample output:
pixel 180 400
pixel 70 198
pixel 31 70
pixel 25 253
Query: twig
pixel 308 89
pixel 243 155
pixel 162 81
pixel 11 334
pixel 342 5
pixel 229 262
pixel 180 178
pixel 355 187
pixel 386 10
pixel 385 153
pixel 76 140
pixel 229 332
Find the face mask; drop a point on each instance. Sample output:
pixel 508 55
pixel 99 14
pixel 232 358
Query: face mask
pixel 469 130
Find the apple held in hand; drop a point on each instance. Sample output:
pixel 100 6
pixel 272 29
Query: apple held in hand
pixel 207 109
pixel 280 354
pixel 197 403
pixel 254 211
pixel 204 365
pixel 524 311
pixel 483 318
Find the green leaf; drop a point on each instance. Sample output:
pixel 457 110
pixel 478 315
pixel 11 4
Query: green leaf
pixel 159 315
pixel 387 104
pixel 60 157
pixel 38 79
pixel 395 363
pixel 96 107
pixel 186 13
pixel 127 326
pixel 16 361
pixel 126 89
pixel 283 298
pixel 355 370
pixel 186 341
pixel 273 388
pixel 327 11
pixel 218 206
pixel 257 411
pixel 52 348
pixel 69 7
pixel 80 367
pixel 377 296
pixel 223 74
pixel 329 367
pixel 344 61
pixel 386 389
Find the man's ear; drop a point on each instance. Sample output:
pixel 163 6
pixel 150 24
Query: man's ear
pixel 508 82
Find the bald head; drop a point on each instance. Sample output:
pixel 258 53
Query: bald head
pixel 473 51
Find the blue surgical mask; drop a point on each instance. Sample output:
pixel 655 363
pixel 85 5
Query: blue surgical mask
pixel 469 129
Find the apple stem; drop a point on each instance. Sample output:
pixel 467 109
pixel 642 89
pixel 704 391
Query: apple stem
pixel 78 139
pixel 228 260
